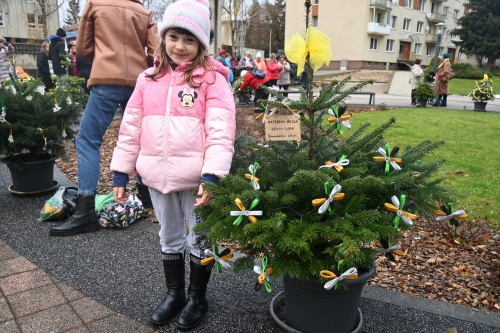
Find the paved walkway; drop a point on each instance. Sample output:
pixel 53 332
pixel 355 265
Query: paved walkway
pixel 110 281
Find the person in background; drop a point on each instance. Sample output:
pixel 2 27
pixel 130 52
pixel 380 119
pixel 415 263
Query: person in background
pixel 431 78
pixel 260 64
pixel 84 68
pixel 179 150
pixel 251 80
pixel 304 78
pixel 232 60
pixel 6 50
pixel 246 62
pixel 74 54
pixel 42 62
pixel 273 70
pixel 221 57
pixel 112 82
pixel 416 77
pixel 284 78
pixel 442 78
pixel 56 49
pixel 228 64
pixel 237 70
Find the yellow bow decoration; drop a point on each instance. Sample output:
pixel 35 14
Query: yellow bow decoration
pixel 317 44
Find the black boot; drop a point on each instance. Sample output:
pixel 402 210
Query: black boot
pixel 143 195
pixel 84 219
pixel 444 100
pixel 175 298
pixel 197 304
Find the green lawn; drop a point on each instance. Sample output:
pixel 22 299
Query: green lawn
pixel 471 145
pixel 465 86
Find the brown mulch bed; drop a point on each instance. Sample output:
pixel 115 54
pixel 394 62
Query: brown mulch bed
pixel 460 266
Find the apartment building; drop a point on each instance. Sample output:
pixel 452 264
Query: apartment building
pixel 377 34
pixel 239 36
pixel 21 23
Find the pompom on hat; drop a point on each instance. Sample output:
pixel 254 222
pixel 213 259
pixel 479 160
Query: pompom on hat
pixel 192 15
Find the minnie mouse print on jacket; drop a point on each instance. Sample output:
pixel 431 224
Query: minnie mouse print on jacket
pixel 190 131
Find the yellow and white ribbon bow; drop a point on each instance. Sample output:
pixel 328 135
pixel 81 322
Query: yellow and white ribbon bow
pixel 341 120
pixel 458 214
pixel 392 160
pixel 398 209
pixel 264 273
pixel 335 194
pixel 317 44
pixel 253 171
pixel 243 213
pixel 446 214
pixel 220 258
pixel 40 90
pixel 394 248
pixel 350 274
pixel 339 166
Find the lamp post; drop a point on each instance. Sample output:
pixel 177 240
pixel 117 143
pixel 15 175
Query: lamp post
pixel 438 44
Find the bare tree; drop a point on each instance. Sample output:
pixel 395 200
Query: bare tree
pixel 235 14
pixel 73 13
pixel 158 7
pixel 47 8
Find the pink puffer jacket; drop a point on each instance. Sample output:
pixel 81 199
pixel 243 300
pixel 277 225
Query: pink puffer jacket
pixel 174 134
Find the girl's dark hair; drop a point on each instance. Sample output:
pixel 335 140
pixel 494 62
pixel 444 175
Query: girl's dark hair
pixel 201 60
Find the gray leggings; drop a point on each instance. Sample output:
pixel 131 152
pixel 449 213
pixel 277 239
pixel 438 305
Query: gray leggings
pixel 175 212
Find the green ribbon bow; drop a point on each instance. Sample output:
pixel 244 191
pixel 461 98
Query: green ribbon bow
pixel 263 272
pixel 245 213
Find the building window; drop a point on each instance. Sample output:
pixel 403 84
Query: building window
pixel 441 51
pixel 408 3
pixel 422 5
pixel 390 45
pixel 406 25
pixel 368 63
pixel 445 11
pixel 316 2
pixel 1 19
pixel 31 1
pixel 379 17
pixel 375 64
pixel 430 50
pixel 417 48
pixel 393 22
pixel 315 21
pixel 419 27
pixel 468 57
pixel 31 21
pixel 455 14
pixel 459 55
pixel 373 43
pixel 40 22
pixel 433 7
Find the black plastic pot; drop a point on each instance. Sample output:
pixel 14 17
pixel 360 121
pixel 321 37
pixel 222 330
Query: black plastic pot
pixel 480 106
pixel 421 103
pixel 310 308
pixel 33 176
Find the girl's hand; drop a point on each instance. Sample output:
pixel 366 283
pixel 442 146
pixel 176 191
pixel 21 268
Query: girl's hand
pixel 204 197
pixel 120 195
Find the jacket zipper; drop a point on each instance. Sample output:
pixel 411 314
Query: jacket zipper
pixel 165 134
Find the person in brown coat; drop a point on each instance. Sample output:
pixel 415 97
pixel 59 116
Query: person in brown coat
pixel 118 38
pixel 444 74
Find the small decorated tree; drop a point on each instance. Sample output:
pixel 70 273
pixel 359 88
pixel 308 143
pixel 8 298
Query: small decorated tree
pixel 326 199
pixel 483 90
pixel 35 123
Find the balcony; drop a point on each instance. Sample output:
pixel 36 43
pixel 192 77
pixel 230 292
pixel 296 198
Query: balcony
pixel 375 28
pixel 431 38
pixel 436 17
pixel 383 4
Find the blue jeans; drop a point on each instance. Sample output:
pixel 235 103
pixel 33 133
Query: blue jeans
pixel 99 113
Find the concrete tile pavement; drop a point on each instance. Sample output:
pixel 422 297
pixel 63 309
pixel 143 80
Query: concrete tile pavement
pixel 32 300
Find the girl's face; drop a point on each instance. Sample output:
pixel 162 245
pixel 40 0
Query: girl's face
pixel 181 48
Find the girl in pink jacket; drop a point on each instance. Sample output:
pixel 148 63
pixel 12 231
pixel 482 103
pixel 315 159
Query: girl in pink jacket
pixel 178 131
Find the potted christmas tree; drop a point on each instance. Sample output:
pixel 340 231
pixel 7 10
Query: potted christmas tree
pixel 482 93
pixel 424 93
pixel 34 128
pixel 316 211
